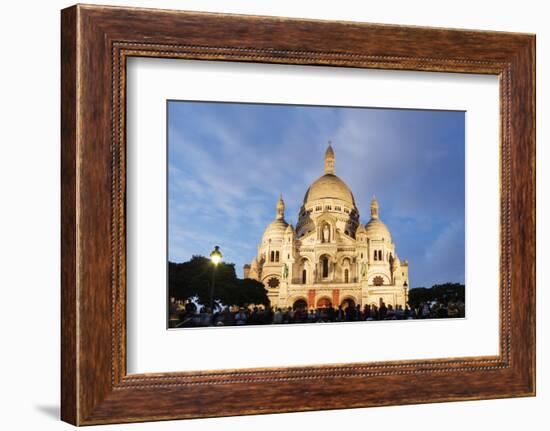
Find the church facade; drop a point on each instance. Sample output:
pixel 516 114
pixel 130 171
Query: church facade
pixel 330 257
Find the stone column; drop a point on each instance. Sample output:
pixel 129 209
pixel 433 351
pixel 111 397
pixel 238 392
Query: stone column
pixel 335 298
pixel 364 293
pixel 311 298
pixel 283 294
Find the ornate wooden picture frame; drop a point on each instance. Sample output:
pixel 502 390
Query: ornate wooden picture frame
pixel 96 41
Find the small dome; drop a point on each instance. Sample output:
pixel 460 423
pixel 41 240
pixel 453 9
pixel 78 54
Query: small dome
pixel 376 229
pixel 329 186
pixel 276 228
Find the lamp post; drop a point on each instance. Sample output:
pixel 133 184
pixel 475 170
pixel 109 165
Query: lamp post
pixel 216 258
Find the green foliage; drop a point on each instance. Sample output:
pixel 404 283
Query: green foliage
pixel 194 278
pixel 438 292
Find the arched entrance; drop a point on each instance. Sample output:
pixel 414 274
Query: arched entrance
pixel 323 302
pixel 300 304
pixel 348 302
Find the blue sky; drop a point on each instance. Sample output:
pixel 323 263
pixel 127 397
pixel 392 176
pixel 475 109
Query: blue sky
pixel 228 163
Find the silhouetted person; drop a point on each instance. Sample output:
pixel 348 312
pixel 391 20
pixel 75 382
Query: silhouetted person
pixel 331 313
pixel 382 311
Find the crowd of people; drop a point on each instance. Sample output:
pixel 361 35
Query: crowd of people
pixel 187 314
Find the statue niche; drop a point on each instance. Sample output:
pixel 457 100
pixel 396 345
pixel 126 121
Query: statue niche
pixel 325 233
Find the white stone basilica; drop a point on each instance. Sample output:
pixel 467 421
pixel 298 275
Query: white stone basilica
pixel 331 257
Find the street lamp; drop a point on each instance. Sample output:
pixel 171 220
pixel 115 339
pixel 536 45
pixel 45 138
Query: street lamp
pixel 216 255
pixel 216 258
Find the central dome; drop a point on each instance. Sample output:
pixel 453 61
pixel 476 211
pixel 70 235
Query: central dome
pixel 329 186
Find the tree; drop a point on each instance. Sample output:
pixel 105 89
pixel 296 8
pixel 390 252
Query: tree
pixel 247 291
pixel 193 279
pixel 438 292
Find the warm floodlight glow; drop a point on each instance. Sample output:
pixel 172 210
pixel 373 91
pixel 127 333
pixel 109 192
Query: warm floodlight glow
pixel 216 255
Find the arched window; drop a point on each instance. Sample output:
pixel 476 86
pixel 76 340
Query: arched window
pixel 272 256
pixel 325 267
pixel 276 256
pixel 304 276
pixel 346 276
pixel 375 254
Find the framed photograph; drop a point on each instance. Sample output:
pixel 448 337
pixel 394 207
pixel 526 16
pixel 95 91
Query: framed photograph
pixel 280 206
pixel 315 261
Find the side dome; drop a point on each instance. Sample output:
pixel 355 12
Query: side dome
pixel 329 186
pixel 275 229
pixel 377 230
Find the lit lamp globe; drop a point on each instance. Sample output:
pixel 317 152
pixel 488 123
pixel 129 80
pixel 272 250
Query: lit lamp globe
pixel 216 255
